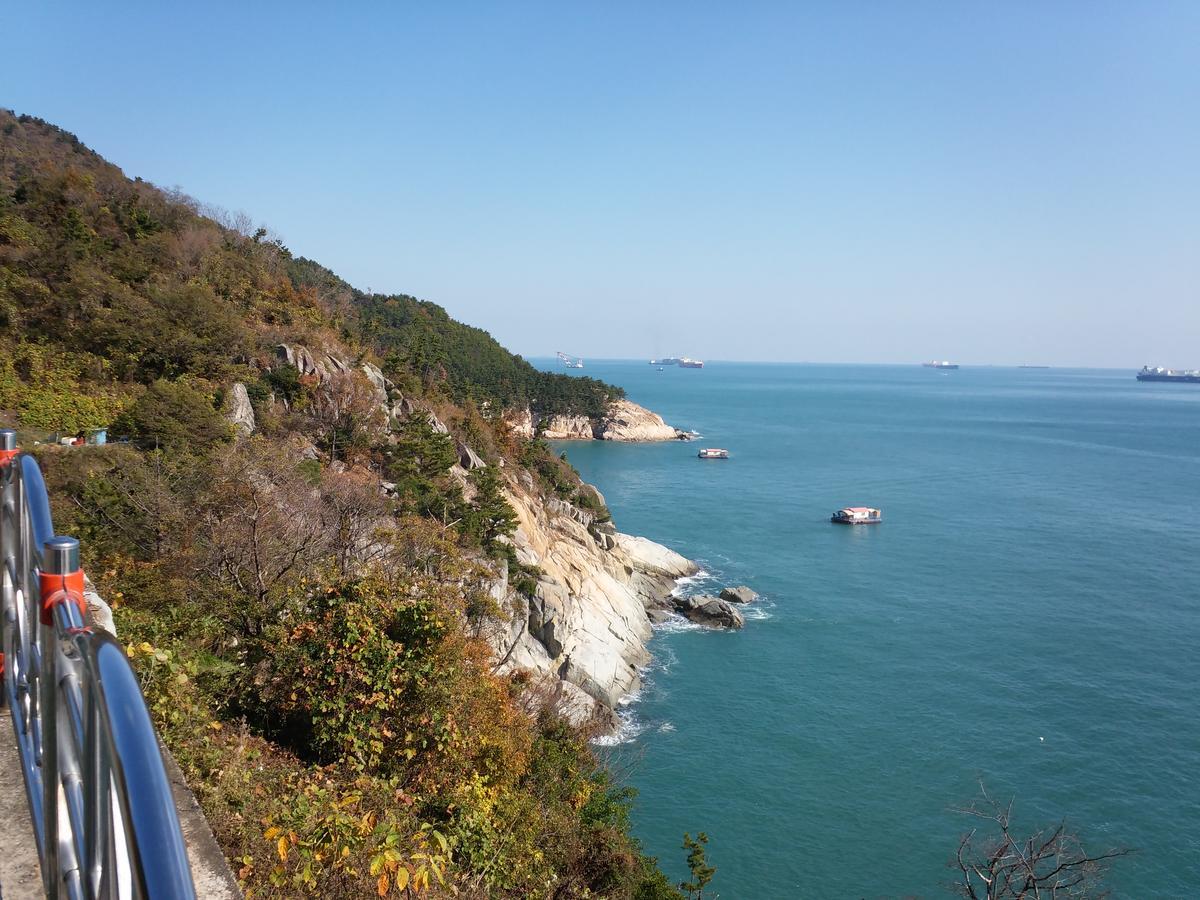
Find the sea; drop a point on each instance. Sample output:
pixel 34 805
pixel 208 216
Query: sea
pixel 1025 619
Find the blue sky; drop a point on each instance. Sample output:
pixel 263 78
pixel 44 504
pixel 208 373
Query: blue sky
pixel 1013 182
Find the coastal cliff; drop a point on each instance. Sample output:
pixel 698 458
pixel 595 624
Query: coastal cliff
pixel 584 632
pixel 580 639
pixel 623 420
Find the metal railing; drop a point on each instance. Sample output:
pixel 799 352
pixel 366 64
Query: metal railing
pixel 102 809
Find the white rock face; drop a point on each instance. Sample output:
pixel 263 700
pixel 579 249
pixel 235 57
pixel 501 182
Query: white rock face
pixel 654 559
pixel 326 365
pixel 239 411
pixel 567 428
pixel 623 421
pixel 520 422
pixel 626 421
pixel 588 625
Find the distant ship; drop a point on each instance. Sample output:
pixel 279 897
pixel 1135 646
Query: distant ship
pixel 713 453
pixel 943 364
pixel 686 363
pixel 1190 376
pixel 570 362
pixel 665 361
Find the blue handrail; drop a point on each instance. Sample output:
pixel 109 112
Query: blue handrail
pixel 84 736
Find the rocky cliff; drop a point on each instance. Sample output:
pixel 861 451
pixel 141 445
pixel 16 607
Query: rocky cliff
pixel 583 636
pixel 623 420
pixel 580 640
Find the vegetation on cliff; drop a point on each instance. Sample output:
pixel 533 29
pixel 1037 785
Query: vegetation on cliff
pixel 310 645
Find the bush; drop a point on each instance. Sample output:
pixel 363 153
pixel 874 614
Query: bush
pixel 174 415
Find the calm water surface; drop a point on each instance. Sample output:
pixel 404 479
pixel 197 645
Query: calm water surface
pixel 1036 576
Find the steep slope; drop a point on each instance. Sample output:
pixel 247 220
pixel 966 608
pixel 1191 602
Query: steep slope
pixel 361 600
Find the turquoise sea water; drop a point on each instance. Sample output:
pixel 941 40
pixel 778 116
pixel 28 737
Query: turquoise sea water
pixel 1036 576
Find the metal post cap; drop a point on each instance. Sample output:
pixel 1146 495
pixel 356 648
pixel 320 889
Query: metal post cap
pixel 60 556
pixel 8 439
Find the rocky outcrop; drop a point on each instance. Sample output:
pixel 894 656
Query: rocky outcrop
pixel 521 422
pixel 578 634
pixel 711 611
pixel 626 421
pixel 623 420
pixel 588 622
pixel 238 409
pixel 740 594
pixel 567 428
pixel 468 458
pixel 325 366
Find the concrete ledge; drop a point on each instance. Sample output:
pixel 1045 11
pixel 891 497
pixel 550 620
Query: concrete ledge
pixel 211 874
pixel 20 871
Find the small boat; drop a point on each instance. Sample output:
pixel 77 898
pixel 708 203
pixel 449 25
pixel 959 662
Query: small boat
pixel 857 515
pixel 713 453
pixel 661 369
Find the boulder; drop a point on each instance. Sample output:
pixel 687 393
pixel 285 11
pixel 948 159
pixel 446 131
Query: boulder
pixel 563 508
pixel 711 611
pixel 239 411
pixel 590 490
pixel 379 383
pixel 655 559
pixel 403 408
pixel 468 458
pixel 741 594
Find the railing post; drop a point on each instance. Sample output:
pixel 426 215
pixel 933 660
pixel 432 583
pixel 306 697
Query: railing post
pixel 61 584
pixel 8 445
pixel 8 452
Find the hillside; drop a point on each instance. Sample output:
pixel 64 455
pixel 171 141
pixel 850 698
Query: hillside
pixel 143 280
pixel 375 620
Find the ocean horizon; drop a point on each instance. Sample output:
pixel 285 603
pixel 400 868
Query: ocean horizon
pixel 1025 616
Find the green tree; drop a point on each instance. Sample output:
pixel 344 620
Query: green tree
pixel 173 415
pixel 702 872
pixel 418 463
pixel 491 515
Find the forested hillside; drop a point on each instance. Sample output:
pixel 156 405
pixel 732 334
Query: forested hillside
pixel 305 594
pixel 137 284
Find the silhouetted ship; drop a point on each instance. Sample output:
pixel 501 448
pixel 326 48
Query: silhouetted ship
pixel 1190 376
pixel 943 364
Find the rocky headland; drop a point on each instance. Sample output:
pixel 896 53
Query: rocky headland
pixel 623 420
pixel 579 639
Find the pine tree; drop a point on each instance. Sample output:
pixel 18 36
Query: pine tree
pixel 702 872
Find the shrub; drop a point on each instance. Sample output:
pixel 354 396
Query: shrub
pixel 174 415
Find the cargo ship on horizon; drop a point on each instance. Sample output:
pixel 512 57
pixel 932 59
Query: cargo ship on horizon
pixel 940 364
pixel 1158 373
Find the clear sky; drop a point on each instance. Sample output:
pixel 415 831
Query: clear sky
pixel 991 182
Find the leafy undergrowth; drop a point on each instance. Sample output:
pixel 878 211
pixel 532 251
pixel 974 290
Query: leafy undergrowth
pixel 369 750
